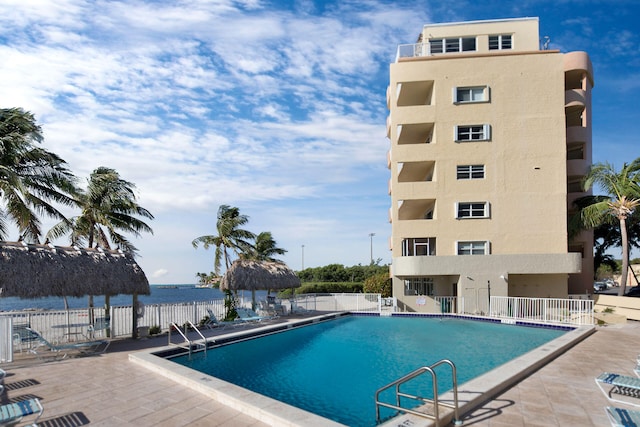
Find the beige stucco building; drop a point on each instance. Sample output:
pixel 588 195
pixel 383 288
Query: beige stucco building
pixel 490 136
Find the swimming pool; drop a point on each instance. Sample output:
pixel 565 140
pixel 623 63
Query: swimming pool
pixel 334 368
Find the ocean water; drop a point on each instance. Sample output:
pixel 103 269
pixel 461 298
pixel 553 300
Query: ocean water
pixel 160 294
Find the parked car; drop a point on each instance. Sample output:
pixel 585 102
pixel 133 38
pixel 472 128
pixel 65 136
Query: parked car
pixel 633 292
pixel 599 286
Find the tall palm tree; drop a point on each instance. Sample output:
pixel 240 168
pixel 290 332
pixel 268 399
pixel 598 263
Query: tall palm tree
pixel 109 209
pixel 230 236
pixel 622 197
pixel 31 178
pixel 264 248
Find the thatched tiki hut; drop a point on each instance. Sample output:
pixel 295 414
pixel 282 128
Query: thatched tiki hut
pixel 256 275
pixel 34 271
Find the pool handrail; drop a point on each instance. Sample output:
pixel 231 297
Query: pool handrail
pixel 436 415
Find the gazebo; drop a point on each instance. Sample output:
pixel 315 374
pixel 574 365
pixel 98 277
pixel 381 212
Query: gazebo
pixel 259 275
pixel 35 271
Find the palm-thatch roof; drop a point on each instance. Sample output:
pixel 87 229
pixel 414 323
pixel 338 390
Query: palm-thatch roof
pixel 255 275
pixel 34 271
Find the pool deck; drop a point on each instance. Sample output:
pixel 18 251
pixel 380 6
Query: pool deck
pixel 109 389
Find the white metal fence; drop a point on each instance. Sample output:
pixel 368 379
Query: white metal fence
pixel 544 310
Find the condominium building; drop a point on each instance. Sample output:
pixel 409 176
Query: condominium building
pixel 490 137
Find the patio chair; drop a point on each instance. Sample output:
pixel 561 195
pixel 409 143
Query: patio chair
pixel 248 315
pixel 22 336
pixel 12 413
pixel 213 322
pixel 268 309
pixel 619 385
pixel 82 347
pixel 296 309
pixel 619 417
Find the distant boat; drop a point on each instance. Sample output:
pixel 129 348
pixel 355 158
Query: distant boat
pixel 166 287
pixel 204 286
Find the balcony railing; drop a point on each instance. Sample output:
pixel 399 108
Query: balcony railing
pixel 413 50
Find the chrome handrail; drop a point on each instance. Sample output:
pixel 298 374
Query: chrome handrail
pixel 436 414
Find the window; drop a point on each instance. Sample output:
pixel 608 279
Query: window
pixel 472 210
pixel 473 133
pixel 473 248
pixel 421 246
pixel 418 286
pixel 452 45
pixel 470 172
pixel 463 95
pixel 500 42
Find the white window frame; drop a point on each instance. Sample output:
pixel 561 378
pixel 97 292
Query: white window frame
pixel 471 133
pixel 465 172
pixel 471 90
pixel 419 246
pixel 476 210
pixel 473 247
pixel 452 45
pixel 503 44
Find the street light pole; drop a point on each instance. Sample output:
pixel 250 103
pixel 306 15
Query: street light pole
pixel 302 257
pixel 371 238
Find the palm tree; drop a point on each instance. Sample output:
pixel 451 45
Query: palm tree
pixel 264 248
pixel 230 236
pixel 622 197
pixel 109 208
pixel 30 177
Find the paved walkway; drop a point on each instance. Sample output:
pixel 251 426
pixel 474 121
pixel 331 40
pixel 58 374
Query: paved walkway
pixel 108 390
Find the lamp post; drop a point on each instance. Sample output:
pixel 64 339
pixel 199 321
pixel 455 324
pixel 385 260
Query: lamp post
pixel 302 258
pixel 371 238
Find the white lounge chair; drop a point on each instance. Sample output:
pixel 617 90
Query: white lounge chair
pixel 213 322
pixel 620 385
pixel 248 315
pixel 12 413
pixel 83 347
pixel 620 417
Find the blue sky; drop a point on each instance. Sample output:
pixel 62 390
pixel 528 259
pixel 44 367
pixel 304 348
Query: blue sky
pixel 275 107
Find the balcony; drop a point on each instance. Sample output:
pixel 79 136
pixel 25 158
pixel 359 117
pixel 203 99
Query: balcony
pixel 419 133
pixel 416 209
pixel 414 93
pixel 416 171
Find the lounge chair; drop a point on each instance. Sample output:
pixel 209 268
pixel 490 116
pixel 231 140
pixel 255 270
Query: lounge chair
pixel 620 417
pixel 213 322
pixel 12 413
pixel 619 385
pixel 269 310
pixel 295 308
pixel 248 315
pixel 83 347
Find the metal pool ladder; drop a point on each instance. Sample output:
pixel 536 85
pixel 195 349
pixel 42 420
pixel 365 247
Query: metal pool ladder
pixel 190 344
pixel 436 410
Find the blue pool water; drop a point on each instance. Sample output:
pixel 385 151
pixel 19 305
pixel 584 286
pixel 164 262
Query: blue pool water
pixel 334 368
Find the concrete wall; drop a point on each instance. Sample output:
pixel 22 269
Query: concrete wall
pixel 623 306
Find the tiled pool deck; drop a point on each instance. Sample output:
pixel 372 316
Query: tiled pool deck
pixel 110 390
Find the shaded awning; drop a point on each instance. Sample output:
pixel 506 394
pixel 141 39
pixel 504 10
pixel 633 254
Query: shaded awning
pixel 256 275
pixel 34 271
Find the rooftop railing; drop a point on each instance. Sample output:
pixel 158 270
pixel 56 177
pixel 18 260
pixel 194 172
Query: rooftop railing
pixel 413 50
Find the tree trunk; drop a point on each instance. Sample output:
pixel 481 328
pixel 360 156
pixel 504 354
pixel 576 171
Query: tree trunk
pixel 625 257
